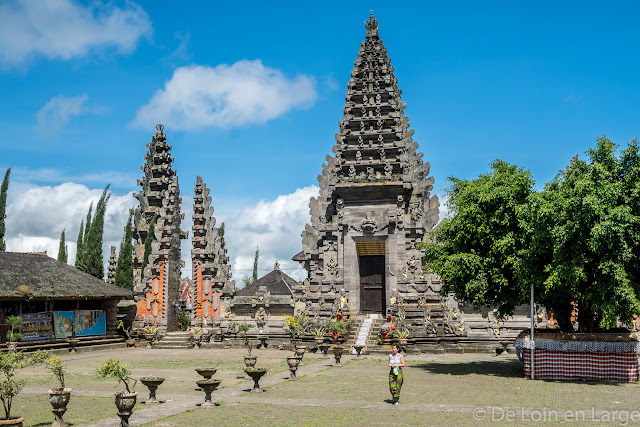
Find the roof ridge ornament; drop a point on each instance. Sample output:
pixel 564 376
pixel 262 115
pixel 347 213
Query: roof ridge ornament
pixel 372 26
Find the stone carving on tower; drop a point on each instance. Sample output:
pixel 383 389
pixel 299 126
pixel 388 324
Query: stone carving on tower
pixel 158 286
pixel 213 288
pixel 375 204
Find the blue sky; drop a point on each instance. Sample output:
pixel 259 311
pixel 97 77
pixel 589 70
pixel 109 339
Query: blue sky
pixel 251 94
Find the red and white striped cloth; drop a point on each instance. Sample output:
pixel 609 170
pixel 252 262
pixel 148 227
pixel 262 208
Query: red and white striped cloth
pixel 573 365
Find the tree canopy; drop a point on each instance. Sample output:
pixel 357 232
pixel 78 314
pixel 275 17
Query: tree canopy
pixel 124 268
pixel 577 240
pixel 3 207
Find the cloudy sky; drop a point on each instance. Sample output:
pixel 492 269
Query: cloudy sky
pixel 251 95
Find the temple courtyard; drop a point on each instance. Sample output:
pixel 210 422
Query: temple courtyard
pixel 450 389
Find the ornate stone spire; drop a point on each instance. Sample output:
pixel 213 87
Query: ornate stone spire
pixel 157 287
pixel 374 189
pixel 111 267
pixel 210 263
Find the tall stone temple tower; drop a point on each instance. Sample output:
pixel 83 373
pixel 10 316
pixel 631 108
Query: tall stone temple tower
pixel 157 285
pixel 374 207
pixel 212 285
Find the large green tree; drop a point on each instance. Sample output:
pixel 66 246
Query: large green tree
pixel 62 249
pixel 479 250
pixel 586 247
pixel 3 207
pixel 577 241
pixel 124 268
pixel 79 243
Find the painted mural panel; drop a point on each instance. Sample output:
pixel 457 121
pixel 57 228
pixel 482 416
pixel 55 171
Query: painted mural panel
pixel 90 322
pixel 37 326
pixel 63 323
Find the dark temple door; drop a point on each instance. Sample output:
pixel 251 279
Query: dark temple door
pixel 372 289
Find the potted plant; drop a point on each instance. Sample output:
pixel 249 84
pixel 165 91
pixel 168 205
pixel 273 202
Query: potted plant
pixel 150 334
pixel 125 400
pixel 127 336
pixel 337 328
pixel 402 336
pixel 14 335
pixel 318 334
pixel 196 336
pixel 243 329
pixel 10 363
pixel 183 321
pixel 296 326
pixel 58 397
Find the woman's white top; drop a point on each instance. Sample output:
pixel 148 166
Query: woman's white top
pixel 395 360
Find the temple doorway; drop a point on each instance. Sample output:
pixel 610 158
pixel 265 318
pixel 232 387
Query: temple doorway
pixel 372 284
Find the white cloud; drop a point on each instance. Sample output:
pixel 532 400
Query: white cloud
pixel 63 29
pixel 273 226
pixel 246 92
pixel 60 109
pixel 36 217
pixel 444 211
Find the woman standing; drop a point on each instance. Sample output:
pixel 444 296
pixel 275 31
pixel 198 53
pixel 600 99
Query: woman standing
pixel 396 363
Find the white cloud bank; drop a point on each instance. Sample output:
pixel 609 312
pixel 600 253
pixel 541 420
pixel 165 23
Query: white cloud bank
pixel 36 218
pixel 64 29
pixel 60 109
pixel 273 226
pixel 246 92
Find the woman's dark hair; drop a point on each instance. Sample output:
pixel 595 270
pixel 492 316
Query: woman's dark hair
pixel 396 345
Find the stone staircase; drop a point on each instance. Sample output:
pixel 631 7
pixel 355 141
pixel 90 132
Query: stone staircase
pixel 178 339
pixel 364 331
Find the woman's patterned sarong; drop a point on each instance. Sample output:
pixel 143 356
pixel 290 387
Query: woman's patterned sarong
pixel 395 382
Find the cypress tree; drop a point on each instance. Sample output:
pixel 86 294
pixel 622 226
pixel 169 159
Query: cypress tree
pixel 3 207
pixel 147 244
pixel 255 266
pixel 124 268
pixel 92 247
pixel 83 239
pixel 79 245
pixel 62 249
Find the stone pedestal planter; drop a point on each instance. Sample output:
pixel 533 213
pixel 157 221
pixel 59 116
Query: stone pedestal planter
pixel 293 362
pixel 12 346
pixel 207 373
pixel 300 349
pixel 256 374
pixel 358 348
pixel 152 383
pixel 73 343
pixel 196 340
pixel 263 341
pixel 208 386
pixel 593 357
pixel 59 399
pixel 337 353
pixel 125 403
pixel 324 348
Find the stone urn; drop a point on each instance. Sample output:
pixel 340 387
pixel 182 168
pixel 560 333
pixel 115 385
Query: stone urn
pixel 208 386
pixel 256 374
pixel 196 340
pixel 59 399
pixel 150 339
pixel 263 341
pixel 324 348
pixel 337 353
pixel 293 362
pixel 207 373
pixel 125 403
pixel 206 336
pixel 152 383
pixel 358 348
pixel 402 341
pixel 73 343
pixel 13 422
pixel 250 361
pixel 300 349
pixel 12 345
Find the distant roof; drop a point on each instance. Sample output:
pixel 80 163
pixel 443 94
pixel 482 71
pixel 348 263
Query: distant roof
pixel 276 282
pixel 49 278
